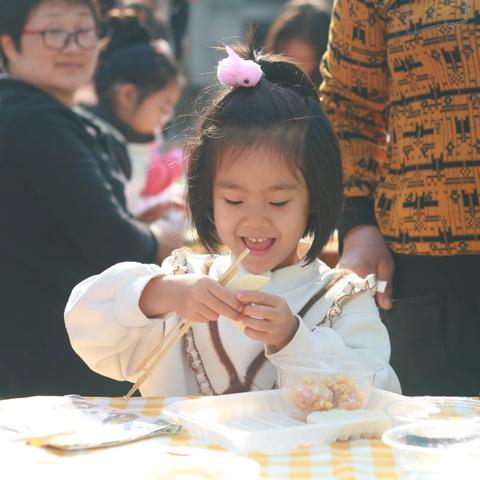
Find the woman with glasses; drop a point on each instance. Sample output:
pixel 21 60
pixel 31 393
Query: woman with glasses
pixel 63 214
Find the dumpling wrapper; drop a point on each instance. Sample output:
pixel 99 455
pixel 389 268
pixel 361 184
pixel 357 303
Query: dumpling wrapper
pixel 353 424
pixel 248 281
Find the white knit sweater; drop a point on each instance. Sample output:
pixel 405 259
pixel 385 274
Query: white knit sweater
pixel 108 330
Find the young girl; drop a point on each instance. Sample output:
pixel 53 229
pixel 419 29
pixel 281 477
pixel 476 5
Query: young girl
pixel 138 84
pixel 264 172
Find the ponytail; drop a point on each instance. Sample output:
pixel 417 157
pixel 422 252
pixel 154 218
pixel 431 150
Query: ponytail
pixel 288 75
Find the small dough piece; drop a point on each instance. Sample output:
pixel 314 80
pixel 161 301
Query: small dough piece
pixel 246 282
pixel 353 424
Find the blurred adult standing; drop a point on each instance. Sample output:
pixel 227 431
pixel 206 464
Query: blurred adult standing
pixel 300 32
pixel 63 212
pixel 412 70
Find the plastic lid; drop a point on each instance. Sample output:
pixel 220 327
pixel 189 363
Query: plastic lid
pixel 435 436
pixel 330 364
pixel 435 408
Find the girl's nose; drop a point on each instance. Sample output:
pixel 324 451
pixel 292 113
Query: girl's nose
pixel 256 218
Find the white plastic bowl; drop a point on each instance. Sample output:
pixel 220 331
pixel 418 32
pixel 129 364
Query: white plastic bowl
pixel 437 450
pixel 325 383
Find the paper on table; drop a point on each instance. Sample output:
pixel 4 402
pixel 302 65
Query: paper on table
pixel 73 423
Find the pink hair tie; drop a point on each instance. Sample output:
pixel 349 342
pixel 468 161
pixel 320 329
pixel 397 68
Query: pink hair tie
pixel 234 71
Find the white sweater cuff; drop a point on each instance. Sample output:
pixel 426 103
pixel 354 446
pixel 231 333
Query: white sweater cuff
pixel 125 305
pixel 303 344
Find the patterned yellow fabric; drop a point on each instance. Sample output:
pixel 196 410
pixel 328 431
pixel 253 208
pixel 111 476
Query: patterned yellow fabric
pixel 402 88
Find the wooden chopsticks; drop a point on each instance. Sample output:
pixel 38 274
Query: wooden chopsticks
pixel 171 339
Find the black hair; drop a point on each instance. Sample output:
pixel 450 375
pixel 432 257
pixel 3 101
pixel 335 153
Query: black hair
pixel 150 19
pixel 307 20
pixel 14 15
pixel 131 57
pixel 281 112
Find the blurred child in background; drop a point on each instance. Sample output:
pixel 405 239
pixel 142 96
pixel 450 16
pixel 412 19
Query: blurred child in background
pixel 137 85
pixel 300 32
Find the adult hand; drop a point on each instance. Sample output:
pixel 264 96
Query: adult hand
pixel 161 210
pixel 364 252
pixel 267 318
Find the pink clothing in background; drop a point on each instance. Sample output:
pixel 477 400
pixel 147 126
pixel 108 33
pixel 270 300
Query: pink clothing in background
pixel 164 169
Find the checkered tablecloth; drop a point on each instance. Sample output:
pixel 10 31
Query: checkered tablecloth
pixel 360 459
pixel 355 460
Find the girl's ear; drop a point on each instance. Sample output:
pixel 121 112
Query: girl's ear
pixel 126 100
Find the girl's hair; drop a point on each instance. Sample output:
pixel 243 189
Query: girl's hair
pixel 283 114
pixel 307 20
pixel 132 57
pixel 14 15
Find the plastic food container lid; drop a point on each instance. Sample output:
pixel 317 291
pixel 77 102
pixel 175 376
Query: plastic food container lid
pixel 434 409
pixel 434 436
pixel 329 365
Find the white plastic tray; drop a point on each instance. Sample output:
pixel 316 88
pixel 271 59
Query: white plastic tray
pixel 257 421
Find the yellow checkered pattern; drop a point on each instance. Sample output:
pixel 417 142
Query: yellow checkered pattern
pixel 356 460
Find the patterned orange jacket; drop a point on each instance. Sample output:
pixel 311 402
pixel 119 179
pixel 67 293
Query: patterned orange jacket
pixel 402 89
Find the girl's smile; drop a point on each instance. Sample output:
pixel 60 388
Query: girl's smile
pixel 258 246
pixel 260 203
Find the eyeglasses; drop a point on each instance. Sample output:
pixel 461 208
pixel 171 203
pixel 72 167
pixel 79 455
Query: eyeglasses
pixel 86 39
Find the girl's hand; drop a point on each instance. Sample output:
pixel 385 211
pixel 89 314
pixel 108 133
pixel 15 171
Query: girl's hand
pixel 267 319
pixel 196 298
pixel 201 299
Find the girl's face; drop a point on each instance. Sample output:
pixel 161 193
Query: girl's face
pixel 154 111
pixel 260 204
pixel 57 71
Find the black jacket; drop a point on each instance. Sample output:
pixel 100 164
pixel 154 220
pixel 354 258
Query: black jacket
pixel 63 218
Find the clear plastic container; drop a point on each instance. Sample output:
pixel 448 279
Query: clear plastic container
pixel 436 450
pixel 418 409
pixel 325 383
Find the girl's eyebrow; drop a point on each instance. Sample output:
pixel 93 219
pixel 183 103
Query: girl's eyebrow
pixel 229 184
pixel 277 187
